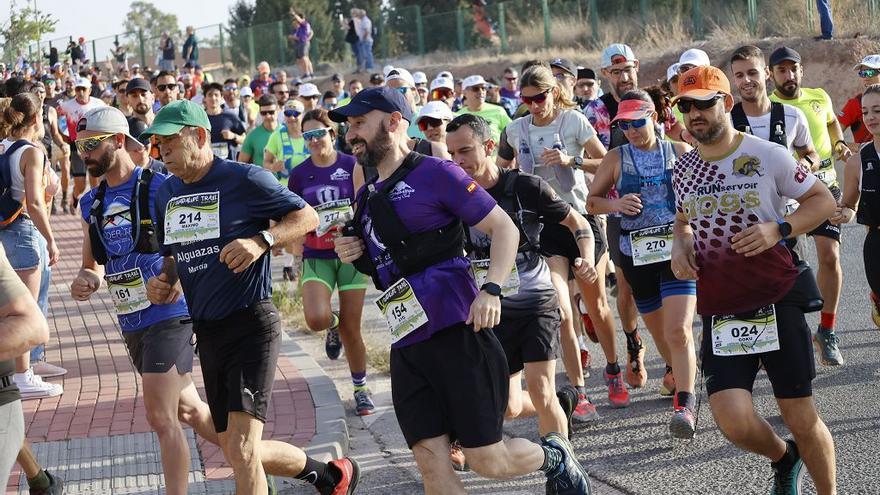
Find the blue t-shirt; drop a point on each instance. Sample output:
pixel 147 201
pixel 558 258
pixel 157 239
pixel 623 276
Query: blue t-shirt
pixel 225 120
pixel 232 201
pixel 116 232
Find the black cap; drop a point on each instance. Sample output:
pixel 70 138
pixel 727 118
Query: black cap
pixel 564 64
pixel 336 77
pixel 376 77
pixel 782 54
pixel 137 83
pixel 586 73
pixel 384 99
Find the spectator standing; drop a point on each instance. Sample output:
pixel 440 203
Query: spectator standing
pixel 191 47
pixel 825 19
pixel 364 27
pixel 166 46
pixel 302 41
pixel 351 37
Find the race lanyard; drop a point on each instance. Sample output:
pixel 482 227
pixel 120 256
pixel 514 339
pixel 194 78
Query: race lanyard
pixel 651 245
pixel 191 218
pixel 733 335
pixel 480 269
pixel 401 310
pixel 333 214
pixel 289 153
pixel 128 291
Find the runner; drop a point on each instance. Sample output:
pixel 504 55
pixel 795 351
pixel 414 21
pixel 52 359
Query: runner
pixel 586 88
pixel 860 190
pixel 227 130
pixel 551 142
pixel 787 72
pixel 255 141
pixel 328 180
pixel 474 88
pixel 850 116
pixel 73 110
pixel 436 311
pixel 223 267
pixel 641 171
pixel 750 294
pixel 433 118
pixel 286 147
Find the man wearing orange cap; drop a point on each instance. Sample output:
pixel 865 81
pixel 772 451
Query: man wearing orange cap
pixel 730 196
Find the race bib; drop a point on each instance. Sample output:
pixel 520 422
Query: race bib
pixel 191 218
pixel 333 214
pixel 401 310
pixel 128 291
pixel 734 336
pixel 826 172
pixel 480 268
pixel 651 245
pixel 221 150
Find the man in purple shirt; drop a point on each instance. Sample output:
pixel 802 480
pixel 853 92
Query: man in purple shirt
pixel 407 234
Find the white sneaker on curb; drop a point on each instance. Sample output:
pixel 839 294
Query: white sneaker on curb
pixel 32 386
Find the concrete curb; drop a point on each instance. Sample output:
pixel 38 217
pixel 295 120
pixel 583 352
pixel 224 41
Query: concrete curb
pixel 331 440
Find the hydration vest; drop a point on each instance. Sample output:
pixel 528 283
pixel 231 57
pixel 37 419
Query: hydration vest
pixel 868 212
pixel 631 179
pixel 143 229
pixel 411 252
pixel 777 122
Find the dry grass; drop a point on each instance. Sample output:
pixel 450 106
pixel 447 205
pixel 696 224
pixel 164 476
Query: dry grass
pixel 289 304
pixel 378 355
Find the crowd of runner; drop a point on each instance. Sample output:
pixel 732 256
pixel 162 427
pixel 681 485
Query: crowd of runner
pixel 496 214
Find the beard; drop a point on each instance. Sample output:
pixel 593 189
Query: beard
pixel 789 89
pixel 141 109
pixel 710 135
pixel 99 167
pixel 373 153
pixel 624 87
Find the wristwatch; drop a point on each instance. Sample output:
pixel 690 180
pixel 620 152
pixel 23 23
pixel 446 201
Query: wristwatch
pixel 267 237
pixel 492 289
pixel 578 163
pixel 784 229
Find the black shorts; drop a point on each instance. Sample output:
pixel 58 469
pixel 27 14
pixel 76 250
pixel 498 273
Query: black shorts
pixel 557 240
pixel 613 230
pixel 454 383
pixel 238 355
pixel 529 339
pixel 791 369
pixel 162 345
pixel 77 165
pixel 828 229
pixel 651 283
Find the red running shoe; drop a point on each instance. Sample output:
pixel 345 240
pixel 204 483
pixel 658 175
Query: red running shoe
pixel 351 474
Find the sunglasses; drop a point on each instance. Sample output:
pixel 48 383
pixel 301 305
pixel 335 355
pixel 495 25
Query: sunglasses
pixel 538 98
pixel 441 94
pixel 402 90
pixel 267 112
pixel 166 87
pixel 511 78
pixel 315 134
pixel 230 88
pixel 427 122
pixel 868 73
pixel 88 144
pixel 560 76
pixel 684 106
pixel 289 112
pixel 625 125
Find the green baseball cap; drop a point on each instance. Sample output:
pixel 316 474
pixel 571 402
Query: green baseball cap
pixel 175 116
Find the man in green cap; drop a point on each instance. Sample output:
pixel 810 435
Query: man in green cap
pixel 222 264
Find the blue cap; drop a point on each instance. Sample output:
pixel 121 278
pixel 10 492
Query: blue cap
pixel 384 99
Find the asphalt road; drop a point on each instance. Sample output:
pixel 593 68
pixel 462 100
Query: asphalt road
pixel 629 451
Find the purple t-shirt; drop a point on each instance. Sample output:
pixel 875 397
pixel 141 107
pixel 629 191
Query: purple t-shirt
pixel 432 196
pixel 319 185
pixel 302 32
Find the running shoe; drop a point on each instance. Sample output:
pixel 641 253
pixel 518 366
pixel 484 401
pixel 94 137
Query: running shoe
pixel 586 361
pixel 56 486
pixel 667 388
pixel 32 386
pixel 363 401
pixel 584 411
pixel 826 342
pixel 682 425
pixel 875 310
pixel 569 477
pixel 270 484
pixel 787 479
pixel 568 399
pixel 47 370
pixel 351 474
pixel 456 457
pixel 636 374
pixel 589 328
pixel 333 344
pixel 618 396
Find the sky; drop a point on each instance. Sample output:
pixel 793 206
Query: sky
pixel 96 19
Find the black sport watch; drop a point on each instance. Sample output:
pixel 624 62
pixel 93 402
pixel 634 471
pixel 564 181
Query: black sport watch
pixel 492 289
pixel 784 230
pixel 578 163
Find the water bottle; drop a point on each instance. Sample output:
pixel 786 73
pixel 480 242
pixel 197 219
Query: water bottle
pixel 557 142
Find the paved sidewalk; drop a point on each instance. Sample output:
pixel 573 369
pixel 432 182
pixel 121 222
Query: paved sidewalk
pixel 96 434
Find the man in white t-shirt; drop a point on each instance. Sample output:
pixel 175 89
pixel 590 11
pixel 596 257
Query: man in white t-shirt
pixel 74 109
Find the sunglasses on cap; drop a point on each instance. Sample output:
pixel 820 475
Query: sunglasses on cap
pixel 538 98
pixel 684 106
pixel 85 145
pixel 625 125
pixel 428 122
pixel 166 87
pixel 868 73
pixel 315 134
pixel 292 112
pixel 268 112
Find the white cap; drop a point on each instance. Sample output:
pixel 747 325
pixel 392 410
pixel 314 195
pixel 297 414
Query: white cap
pixel 420 78
pixel 475 80
pixel 672 71
pixel 309 89
pixel 695 57
pixel 386 70
pixel 442 82
pixel 871 62
pixel 436 109
pixel 246 91
pixel 445 73
pixel 294 104
pixel 109 120
pixel 82 82
pixel 398 74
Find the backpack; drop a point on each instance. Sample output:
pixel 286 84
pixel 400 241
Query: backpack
pixel 143 230
pixel 777 122
pixel 10 208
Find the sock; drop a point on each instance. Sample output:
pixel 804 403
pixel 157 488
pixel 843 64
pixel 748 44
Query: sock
pixel 359 380
pixel 40 481
pixel 581 343
pixel 827 320
pixel 612 368
pixel 319 474
pixel 633 340
pixel 552 459
pixel 685 399
pixel 582 391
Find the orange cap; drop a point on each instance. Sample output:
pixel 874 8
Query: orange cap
pixel 702 83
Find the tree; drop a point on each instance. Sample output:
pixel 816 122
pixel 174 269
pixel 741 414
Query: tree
pixel 144 17
pixel 24 26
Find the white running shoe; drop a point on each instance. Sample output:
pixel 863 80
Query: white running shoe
pixel 31 386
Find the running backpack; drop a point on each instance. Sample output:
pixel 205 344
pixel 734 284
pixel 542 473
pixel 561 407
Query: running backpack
pixel 777 122
pixel 10 209
pixel 143 230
